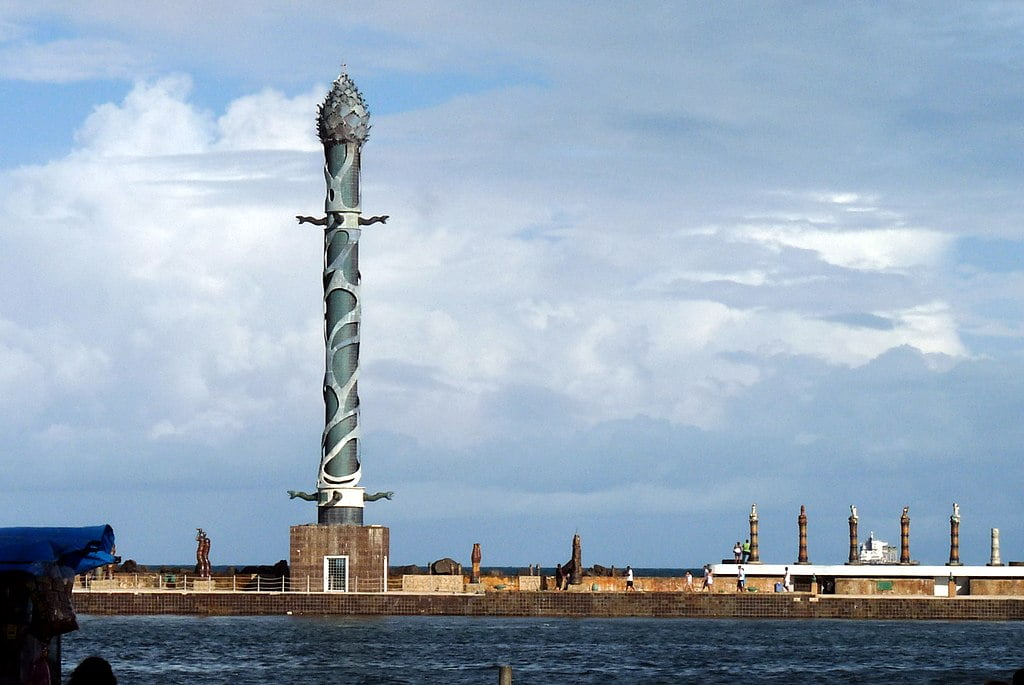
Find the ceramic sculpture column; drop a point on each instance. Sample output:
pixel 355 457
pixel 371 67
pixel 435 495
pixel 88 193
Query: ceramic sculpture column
pixel 954 536
pixel 755 557
pixel 801 522
pixel 994 560
pixel 854 548
pixel 343 124
pixel 905 536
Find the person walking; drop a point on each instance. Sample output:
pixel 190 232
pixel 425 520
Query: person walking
pixel 629 579
pixel 689 582
pixel 709 579
pixel 787 581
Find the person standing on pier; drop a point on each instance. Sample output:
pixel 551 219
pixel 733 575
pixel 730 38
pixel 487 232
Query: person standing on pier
pixel 629 579
pixel 737 553
pixel 787 581
pixel 709 579
pixel 741 579
pixel 746 551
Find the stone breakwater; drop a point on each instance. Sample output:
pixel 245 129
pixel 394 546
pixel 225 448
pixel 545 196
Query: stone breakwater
pixel 554 604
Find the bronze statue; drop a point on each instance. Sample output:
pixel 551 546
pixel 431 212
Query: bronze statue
pixel 573 569
pixel 202 554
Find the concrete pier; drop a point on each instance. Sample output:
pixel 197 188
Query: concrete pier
pixel 555 604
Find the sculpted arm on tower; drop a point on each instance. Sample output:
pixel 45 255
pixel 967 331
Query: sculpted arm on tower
pixel 363 221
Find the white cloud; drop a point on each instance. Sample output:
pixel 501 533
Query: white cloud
pixel 874 250
pixel 270 121
pixel 578 240
pixel 154 119
pixel 192 242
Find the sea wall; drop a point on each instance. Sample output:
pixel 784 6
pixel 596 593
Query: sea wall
pixel 555 604
pixel 885 586
pixel 998 586
pixel 433 583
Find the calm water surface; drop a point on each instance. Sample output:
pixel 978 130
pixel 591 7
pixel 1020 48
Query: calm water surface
pixel 452 650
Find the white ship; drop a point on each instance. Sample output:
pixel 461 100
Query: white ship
pixel 876 552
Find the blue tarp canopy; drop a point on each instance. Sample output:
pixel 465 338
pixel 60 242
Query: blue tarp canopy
pixel 34 550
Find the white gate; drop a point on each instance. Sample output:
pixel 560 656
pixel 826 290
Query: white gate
pixel 336 574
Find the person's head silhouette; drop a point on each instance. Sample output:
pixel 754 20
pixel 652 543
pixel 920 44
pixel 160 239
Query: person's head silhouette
pixel 93 671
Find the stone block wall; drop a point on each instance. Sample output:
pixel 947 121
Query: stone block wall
pixel 998 586
pixel 528 583
pixel 367 549
pixel 886 586
pixel 568 604
pixel 420 583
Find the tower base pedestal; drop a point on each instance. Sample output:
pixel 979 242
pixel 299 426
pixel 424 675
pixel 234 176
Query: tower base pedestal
pixel 339 558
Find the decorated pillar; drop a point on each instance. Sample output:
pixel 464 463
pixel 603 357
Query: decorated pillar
pixel 905 536
pixel 801 523
pixel 575 565
pixel 343 124
pixel 475 557
pixel 755 557
pixel 854 547
pixel 340 554
pixel 954 536
pixel 994 560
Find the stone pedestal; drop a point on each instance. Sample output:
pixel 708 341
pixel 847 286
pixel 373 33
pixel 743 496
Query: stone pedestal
pixel 355 556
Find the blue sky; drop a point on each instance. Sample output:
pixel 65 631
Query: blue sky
pixel 644 269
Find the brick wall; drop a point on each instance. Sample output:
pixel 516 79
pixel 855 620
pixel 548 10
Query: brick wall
pixel 433 583
pixel 997 586
pixel 885 586
pixel 366 547
pixel 568 604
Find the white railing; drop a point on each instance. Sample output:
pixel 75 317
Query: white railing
pixel 180 582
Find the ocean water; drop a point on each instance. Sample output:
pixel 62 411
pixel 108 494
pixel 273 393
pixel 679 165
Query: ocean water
pixel 455 650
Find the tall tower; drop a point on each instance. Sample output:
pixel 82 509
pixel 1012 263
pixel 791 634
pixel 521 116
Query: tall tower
pixel 343 123
pixel 339 553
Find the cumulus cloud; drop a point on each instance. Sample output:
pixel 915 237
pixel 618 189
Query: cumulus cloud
pixel 153 120
pixel 270 121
